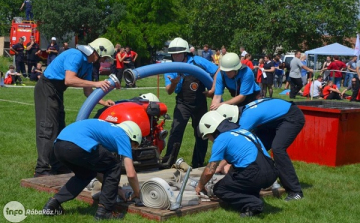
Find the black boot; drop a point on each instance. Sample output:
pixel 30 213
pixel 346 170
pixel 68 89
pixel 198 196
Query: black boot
pixel 102 214
pixel 53 207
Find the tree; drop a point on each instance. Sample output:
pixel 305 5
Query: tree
pixel 146 25
pixel 63 19
pixel 9 10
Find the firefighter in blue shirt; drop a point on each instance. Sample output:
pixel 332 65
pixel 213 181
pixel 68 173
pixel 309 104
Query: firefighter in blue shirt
pixel 277 123
pixel 190 100
pixel 252 167
pixel 71 68
pixel 86 148
pixel 238 79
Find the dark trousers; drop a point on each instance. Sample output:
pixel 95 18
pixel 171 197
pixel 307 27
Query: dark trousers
pixel 278 136
pixel 296 85
pixel 241 187
pixel 20 67
pixel 119 74
pixel 182 114
pixel 31 64
pixel 16 78
pixel 333 96
pixel 50 120
pixel 85 166
pixel 29 15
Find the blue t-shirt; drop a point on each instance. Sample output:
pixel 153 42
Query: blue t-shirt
pixel 201 62
pixel 303 71
pixel 90 133
pixel 262 111
pixel 207 54
pixel 235 148
pixel 247 81
pixel 28 5
pixel 72 60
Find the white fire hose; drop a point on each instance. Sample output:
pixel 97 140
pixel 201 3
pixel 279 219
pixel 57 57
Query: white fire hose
pixel 157 193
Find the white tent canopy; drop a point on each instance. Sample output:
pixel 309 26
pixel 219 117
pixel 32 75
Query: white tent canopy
pixel 330 50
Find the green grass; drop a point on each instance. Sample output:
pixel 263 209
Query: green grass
pixel 331 194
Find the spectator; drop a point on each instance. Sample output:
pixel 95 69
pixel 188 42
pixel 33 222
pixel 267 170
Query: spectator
pixel 355 87
pixel 295 74
pixel 238 79
pixel 217 57
pixel 52 50
pixel 28 9
pixel 286 66
pixel 33 52
pixel 358 70
pixel 306 92
pixel 324 71
pixel 252 167
pixel 303 71
pixel 279 72
pixel 2 84
pixel 36 72
pixel 113 65
pixel 78 147
pixel 193 51
pixel 351 68
pixel 259 74
pixel 190 100
pixel 207 53
pixel 120 64
pixel 331 91
pixel 71 68
pixel 242 53
pixel 64 48
pixel 129 58
pixel 19 56
pixel 223 52
pixel 316 87
pixel 267 80
pixel 337 66
pixel 15 76
pixel 247 61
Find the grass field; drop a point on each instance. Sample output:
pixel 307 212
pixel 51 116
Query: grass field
pixel 331 194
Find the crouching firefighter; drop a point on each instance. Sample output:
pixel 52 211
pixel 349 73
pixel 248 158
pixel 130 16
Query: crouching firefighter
pixel 78 147
pixel 190 101
pixel 252 168
pixel 277 123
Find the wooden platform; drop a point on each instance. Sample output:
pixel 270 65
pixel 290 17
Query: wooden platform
pixel 52 184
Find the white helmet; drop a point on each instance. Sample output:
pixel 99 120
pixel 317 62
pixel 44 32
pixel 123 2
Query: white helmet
pixel 132 130
pixel 209 122
pixel 178 45
pixel 150 97
pixel 229 112
pixel 103 47
pixel 229 62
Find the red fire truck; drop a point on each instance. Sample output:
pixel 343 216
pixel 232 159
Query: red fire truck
pixel 26 29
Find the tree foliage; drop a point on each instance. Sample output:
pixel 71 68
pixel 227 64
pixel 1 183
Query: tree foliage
pixel 146 25
pixel 9 10
pixel 66 18
pixel 267 24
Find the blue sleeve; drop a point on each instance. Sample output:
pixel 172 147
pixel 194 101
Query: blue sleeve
pixel 247 121
pixel 73 63
pixel 206 65
pixel 219 86
pixel 218 151
pixel 167 81
pixel 248 83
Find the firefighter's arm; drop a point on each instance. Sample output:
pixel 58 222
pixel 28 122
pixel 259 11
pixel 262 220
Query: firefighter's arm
pixel 216 102
pixel 22 6
pixel 207 174
pixel 107 103
pixel 236 100
pixel 132 177
pixel 13 50
pixel 170 88
pixel 211 92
